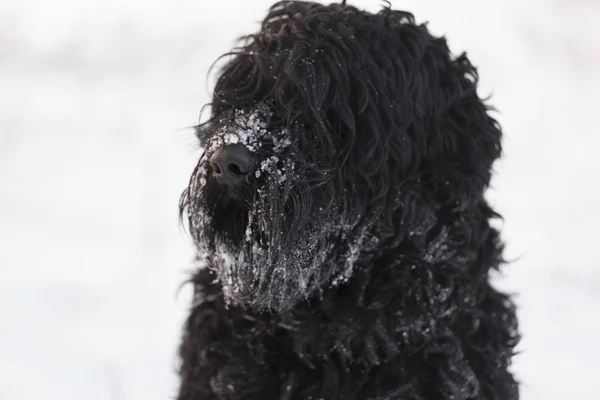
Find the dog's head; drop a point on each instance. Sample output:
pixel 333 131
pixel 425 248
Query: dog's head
pixel 335 134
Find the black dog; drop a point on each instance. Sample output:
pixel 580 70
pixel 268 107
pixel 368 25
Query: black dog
pixel 339 215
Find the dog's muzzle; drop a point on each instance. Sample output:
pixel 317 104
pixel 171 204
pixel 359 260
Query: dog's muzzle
pixel 231 163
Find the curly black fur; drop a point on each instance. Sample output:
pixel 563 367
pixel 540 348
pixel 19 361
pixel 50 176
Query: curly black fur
pixel 357 267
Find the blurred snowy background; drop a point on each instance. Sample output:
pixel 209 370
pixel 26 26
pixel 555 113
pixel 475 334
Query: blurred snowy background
pixel 92 94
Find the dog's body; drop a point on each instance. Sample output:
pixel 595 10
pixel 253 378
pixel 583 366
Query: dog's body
pixel 340 217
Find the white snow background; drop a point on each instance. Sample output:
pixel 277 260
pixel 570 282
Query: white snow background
pixel 92 94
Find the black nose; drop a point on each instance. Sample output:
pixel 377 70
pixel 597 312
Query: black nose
pixel 231 163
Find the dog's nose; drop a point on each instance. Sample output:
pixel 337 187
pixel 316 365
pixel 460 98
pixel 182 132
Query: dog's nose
pixel 231 163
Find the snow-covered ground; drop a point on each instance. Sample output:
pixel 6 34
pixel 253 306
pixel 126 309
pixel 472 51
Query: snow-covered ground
pixel 92 160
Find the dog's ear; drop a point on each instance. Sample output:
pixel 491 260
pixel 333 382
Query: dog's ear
pixel 463 140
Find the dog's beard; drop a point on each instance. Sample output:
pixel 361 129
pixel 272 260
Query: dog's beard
pixel 271 241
